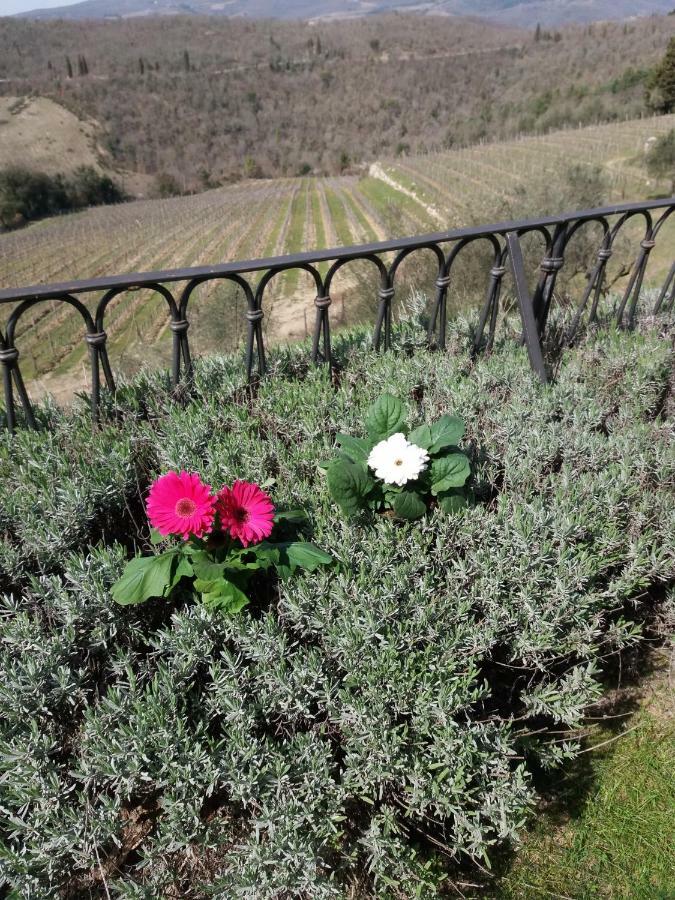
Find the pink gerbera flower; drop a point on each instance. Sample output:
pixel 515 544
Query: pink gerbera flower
pixel 181 504
pixel 246 512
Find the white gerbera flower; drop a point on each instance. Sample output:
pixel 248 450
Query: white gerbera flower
pixel 397 461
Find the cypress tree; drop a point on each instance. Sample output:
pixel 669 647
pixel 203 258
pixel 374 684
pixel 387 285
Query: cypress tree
pixel 69 67
pixel 661 85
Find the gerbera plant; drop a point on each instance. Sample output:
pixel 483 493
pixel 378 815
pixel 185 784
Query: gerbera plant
pixel 223 543
pixel 393 469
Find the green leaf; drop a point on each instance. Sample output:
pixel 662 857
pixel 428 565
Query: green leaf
pixel 356 449
pixel 448 431
pixel 145 577
pixel 224 596
pixel 183 569
pixel 259 556
pixel 391 492
pixel 303 555
pixel 294 516
pixel 421 437
pixel 449 471
pixel 205 568
pixel 385 417
pixel 349 484
pixel 409 505
pixel 203 586
pixel 453 501
pixel 156 537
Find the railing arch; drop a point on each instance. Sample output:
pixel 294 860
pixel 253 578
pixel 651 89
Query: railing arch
pixel 504 238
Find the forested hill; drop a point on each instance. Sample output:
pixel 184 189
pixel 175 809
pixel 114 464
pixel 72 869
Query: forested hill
pixel 212 100
pixel 513 12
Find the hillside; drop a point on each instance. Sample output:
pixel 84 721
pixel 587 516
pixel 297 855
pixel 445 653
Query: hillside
pixel 524 13
pixel 536 175
pixel 208 101
pixel 45 136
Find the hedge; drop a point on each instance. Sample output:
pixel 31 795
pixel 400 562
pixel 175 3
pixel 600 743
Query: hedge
pixel 360 731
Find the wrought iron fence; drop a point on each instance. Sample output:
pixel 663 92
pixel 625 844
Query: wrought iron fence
pixel 253 278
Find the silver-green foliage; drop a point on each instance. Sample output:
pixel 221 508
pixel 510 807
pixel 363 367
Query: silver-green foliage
pixel 348 735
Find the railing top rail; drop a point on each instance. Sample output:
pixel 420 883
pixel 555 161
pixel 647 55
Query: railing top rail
pixel 141 279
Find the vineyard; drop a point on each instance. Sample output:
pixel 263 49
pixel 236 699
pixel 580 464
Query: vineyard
pixel 263 218
pixel 460 186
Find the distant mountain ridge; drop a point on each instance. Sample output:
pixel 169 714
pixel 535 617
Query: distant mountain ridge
pixel 522 13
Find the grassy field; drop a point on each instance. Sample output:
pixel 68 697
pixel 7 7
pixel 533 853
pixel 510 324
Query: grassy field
pixel 268 217
pixel 608 829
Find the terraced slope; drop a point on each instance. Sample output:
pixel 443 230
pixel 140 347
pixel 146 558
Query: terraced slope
pixel 473 182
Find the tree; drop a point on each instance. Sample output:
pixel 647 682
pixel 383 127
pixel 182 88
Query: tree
pixel 26 195
pixel 661 85
pixel 661 157
pixel 69 67
pixel 166 185
pixel 86 187
pixel 251 168
pixel 537 33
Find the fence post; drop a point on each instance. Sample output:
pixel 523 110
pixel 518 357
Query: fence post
pixel 530 329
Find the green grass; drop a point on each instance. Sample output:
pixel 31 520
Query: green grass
pixel 317 218
pixel 320 241
pixel 415 183
pixel 339 217
pixel 296 232
pixel 611 831
pixel 384 197
pixel 271 245
pixel 368 231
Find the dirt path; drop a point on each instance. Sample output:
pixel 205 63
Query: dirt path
pixel 376 171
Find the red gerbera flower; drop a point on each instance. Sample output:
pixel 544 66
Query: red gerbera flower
pixel 246 512
pixel 181 504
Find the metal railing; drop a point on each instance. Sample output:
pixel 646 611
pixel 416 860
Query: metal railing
pixel 504 238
